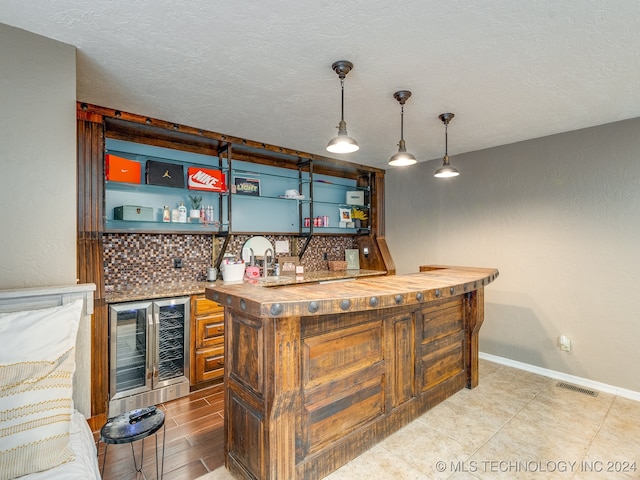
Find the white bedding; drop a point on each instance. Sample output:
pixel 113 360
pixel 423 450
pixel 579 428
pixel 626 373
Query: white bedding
pixel 85 465
pixel 48 309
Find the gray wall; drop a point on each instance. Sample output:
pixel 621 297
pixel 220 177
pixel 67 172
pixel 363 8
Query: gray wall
pixel 37 160
pixel 560 218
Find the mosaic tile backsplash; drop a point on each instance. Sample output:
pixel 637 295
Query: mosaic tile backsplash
pixel 141 258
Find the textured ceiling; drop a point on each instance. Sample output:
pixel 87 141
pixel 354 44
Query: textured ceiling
pixel 509 70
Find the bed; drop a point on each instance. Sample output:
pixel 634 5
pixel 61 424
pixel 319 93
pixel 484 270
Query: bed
pixel 45 384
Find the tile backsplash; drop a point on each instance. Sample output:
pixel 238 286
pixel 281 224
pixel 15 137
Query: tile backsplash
pixel 132 259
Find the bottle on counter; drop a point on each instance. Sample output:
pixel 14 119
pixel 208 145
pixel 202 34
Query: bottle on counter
pixel 166 214
pixel 182 213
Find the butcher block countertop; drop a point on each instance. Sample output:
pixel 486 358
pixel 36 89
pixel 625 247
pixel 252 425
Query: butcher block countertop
pixel 359 294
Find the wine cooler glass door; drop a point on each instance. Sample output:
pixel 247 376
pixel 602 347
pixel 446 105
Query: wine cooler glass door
pixel 172 341
pixel 130 343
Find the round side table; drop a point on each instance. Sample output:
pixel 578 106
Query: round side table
pixel 130 427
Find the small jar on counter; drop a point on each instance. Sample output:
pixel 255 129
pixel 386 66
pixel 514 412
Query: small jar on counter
pixel 212 274
pixel 166 214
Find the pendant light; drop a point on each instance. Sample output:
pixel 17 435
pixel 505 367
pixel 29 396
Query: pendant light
pixel 342 143
pixel 446 170
pixel 402 158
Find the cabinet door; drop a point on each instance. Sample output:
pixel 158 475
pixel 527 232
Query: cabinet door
pixel 343 375
pixel 209 330
pixel 209 364
pixel 208 340
pixel 401 335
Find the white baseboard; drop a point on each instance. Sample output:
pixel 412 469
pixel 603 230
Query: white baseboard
pixel 584 382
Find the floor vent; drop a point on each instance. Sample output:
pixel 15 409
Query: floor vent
pixel 575 388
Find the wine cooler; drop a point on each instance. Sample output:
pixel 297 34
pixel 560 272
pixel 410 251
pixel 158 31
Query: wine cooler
pixel 149 353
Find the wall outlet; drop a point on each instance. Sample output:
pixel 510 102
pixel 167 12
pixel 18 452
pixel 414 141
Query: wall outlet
pixel 177 263
pixel 325 256
pixel 565 343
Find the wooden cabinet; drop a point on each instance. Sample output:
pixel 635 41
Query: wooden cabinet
pixel 207 352
pixel 317 374
pixel 307 394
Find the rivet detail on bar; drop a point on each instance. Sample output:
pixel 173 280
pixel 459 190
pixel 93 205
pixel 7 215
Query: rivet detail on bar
pixel 276 309
pixel 313 307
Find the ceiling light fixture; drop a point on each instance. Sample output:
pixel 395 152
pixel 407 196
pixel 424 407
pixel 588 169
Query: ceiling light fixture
pixel 402 158
pixel 342 143
pixel 446 170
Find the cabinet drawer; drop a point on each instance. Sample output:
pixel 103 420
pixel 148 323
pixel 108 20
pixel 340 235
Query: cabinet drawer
pixel 209 364
pixel 209 331
pixel 204 306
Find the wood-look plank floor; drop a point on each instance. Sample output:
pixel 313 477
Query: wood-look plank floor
pixel 194 441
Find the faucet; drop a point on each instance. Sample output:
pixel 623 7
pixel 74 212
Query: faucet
pixel 266 262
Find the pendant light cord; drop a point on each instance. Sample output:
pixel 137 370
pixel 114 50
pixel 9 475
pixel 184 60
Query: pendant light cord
pixel 446 140
pixel 342 99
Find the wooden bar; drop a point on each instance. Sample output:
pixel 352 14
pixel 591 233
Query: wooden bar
pixel 316 374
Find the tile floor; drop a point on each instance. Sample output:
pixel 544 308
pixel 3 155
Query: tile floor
pixel 514 425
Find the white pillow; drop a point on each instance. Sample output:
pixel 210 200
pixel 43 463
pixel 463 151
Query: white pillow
pixel 37 361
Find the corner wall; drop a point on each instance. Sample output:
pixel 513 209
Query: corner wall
pixel 560 218
pixel 37 160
